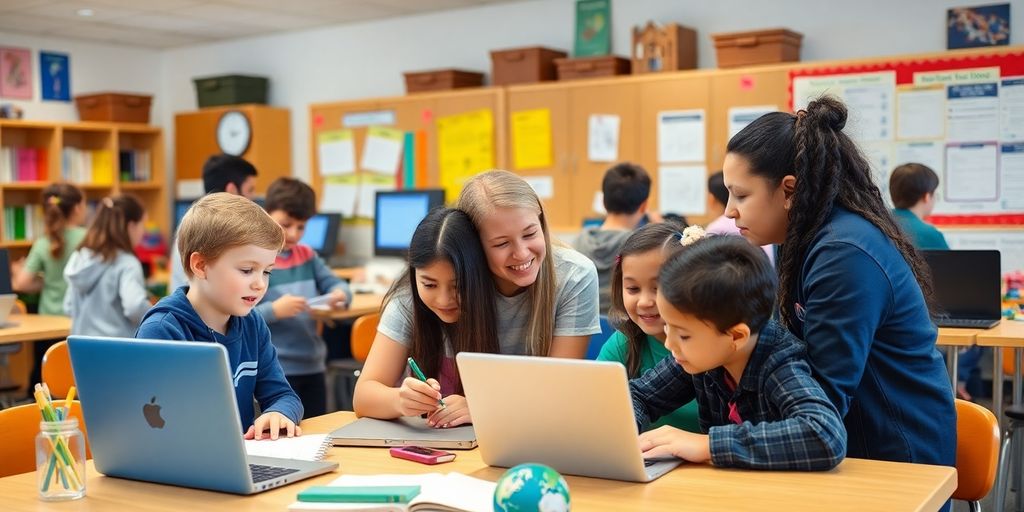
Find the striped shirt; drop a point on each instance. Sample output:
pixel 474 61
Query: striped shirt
pixel 787 421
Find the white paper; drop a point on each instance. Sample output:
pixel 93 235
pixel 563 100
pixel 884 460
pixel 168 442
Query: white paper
pixel 682 189
pixel 681 136
pixel 309 447
pixel 598 203
pixel 871 111
pixel 544 186
pixel 337 153
pixel 879 155
pixel 972 113
pixel 368 197
pixel 922 114
pixel 971 172
pixel 189 189
pixel 603 138
pixel 1011 106
pixel 1012 162
pixel 740 117
pixel 339 198
pixel 381 154
pixel 372 118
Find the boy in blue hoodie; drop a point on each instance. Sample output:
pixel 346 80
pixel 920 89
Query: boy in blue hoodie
pixel 299 275
pixel 230 244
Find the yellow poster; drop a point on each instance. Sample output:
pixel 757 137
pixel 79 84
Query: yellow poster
pixel 531 138
pixel 465 148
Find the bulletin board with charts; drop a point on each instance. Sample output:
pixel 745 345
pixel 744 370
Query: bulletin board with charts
pixel 963 116
pixel 423 140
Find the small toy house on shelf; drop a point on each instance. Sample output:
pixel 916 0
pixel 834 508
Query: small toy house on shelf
pixel 669 48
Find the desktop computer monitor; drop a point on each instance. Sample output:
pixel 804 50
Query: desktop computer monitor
pixel 181 206
pixel 322 233
pixel 396 216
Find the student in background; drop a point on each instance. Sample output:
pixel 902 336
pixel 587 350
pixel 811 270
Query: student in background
pixel 546 296
pixel 231 245
pixel 221 173
pixel 852 286
pixel 639 342
pixel 43 271
pixel 718 197
pixel 912 188
pixel 442 305
pixel 299 274
pixel 626 188
pixel 106 293
pixel 760 407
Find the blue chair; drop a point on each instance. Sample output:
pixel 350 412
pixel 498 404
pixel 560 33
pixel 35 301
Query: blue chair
pixel 597 340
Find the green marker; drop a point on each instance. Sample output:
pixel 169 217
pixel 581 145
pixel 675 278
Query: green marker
pixel 419 375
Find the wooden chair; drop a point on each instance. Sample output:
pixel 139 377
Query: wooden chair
pixel 20 426
pixel 977 453
pixel 57 372
pixel 364 329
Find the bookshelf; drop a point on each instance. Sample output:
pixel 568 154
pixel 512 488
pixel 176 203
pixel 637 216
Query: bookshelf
pixel 99 158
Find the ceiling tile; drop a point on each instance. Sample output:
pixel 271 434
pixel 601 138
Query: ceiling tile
pixel 29 24
pixel 166 21
pixel 17 5
pixel 147 5
pixel 68 10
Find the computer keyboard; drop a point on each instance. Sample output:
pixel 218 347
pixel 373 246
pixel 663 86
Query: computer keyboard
pixel 261 473
pixel 966 322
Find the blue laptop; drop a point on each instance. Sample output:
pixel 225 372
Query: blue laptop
pixel 165 412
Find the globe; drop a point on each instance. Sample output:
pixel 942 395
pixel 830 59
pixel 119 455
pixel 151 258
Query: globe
pixel 531 488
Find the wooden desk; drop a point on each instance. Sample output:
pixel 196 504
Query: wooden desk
pixel 35 328
pixel 1008 334
pixel 350 273
pixel 362 304
pixel 856 485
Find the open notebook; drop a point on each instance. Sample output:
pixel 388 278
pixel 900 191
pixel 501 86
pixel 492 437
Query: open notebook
pixel 311 447
pixel 453 492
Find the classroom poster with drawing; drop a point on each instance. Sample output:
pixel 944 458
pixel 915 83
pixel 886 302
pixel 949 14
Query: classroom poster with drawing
pixel 55 76
pixel 16 73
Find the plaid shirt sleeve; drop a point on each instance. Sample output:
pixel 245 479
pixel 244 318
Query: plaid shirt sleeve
pixel 659 391
pixel 810 437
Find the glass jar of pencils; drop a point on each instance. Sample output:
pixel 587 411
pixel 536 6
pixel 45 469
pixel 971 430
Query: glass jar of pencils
pixel 60 460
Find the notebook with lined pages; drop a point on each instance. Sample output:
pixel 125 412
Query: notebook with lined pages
pixel 311 447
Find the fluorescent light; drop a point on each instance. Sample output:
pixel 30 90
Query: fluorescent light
pixel 85 12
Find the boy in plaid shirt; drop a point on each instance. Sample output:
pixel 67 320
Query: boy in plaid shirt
pixel 759 406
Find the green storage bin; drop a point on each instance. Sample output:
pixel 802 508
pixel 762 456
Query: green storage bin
pixel 215 91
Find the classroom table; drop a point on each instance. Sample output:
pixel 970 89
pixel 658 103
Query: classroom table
pixel 31 327
pixel 1008 334
pixel 855 485
pixel 361 304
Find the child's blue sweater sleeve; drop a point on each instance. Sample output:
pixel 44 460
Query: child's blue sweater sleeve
pixel 272 389
pixel 326 281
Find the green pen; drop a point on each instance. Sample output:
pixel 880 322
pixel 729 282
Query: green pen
pixel 419 375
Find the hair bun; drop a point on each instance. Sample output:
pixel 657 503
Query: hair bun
pixel 827 111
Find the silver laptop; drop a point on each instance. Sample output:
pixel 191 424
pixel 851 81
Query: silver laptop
pixel 165 412
pixel 573 415
pixel 403 432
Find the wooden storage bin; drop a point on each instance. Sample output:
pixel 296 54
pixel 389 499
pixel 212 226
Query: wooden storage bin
pixel 669 48
pixel 592 67
pixel 115 107
pixel 768 46
pixel 216 91
pixel 524 65
pixel 441 80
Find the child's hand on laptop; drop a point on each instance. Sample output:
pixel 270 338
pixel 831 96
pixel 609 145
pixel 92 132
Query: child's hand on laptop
pixel 416 397
pixel 455 413
pixel 669 441
pixel 288 306
pixel 275 422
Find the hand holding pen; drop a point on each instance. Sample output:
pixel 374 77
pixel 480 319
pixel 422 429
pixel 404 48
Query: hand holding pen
pixel 419 395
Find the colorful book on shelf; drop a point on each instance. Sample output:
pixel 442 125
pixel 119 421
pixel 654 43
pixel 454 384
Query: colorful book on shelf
pixel 102 167
pixel 27 161
pixel 19 223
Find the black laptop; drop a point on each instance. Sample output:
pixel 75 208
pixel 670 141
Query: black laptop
pixel 967 287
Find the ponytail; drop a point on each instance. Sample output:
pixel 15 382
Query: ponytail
pixel 108 233
pixel 59 202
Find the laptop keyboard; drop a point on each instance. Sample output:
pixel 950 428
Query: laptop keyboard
pixel 966 322
pixel 262 473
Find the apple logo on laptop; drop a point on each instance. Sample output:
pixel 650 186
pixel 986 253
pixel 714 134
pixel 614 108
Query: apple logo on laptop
pixel 152 413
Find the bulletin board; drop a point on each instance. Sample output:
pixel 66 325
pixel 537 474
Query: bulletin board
pixel 960 114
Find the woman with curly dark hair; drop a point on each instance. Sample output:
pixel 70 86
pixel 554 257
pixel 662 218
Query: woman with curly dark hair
pixel 851 283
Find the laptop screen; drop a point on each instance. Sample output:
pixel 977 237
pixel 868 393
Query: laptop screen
pixel 966 283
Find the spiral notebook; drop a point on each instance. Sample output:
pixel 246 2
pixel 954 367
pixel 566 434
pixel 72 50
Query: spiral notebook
pixel 311 447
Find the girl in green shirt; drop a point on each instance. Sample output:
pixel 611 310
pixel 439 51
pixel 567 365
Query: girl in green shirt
pixel 639 342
